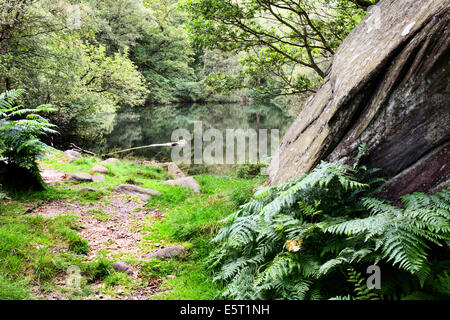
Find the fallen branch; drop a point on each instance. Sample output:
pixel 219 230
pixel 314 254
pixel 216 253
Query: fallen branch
pixel 31 209
pixel 77 148
pixel 169 144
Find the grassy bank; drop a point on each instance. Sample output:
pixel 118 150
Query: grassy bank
pixel 36 250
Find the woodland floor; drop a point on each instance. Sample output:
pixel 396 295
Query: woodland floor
pixel 111 227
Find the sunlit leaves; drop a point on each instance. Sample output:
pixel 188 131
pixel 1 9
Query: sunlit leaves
pixel 287 43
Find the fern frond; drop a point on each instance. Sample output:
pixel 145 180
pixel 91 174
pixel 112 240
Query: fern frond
pixel 290 240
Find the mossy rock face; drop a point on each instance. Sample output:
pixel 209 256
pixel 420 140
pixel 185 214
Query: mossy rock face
pixel 387 87
pixel 17 178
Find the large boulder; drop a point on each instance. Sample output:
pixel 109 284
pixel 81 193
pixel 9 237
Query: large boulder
pixel 388 86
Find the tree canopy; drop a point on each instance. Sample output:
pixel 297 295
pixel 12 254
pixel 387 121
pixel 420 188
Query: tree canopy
pixel 287 43
pixel 66 66
pixel 91 56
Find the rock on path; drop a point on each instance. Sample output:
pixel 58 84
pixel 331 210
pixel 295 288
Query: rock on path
pixel 87 189
pixel 141 193
pixel 167 252
pixel 109 161
pixel 80 177
pixel 100 169
pixel 98 178
pixel 72 155
pixel 174 170
pixel 51 175
pixel 186 182
pixel 123 267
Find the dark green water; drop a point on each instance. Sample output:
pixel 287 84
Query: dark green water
pixel 140 126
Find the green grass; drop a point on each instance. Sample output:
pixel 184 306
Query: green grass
pixel 192 279
pixel 194 219
pixel 10 290
pixel 99 214
pixel 34 251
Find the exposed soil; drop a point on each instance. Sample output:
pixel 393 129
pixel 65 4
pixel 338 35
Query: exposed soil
pixel 112 223
pixel 51 175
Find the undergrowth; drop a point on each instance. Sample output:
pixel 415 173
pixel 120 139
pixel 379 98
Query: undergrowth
pixel 36 252
pixel 313 237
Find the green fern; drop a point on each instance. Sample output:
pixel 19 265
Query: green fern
pixel 20 129
pixel 361 290
pixel 402 235
pixel 295 240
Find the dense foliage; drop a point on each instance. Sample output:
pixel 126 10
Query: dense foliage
pixel 88 57
pixel 91 56
pixel 315 237
pixel 287 43
pixel 20 129
pixel 53 50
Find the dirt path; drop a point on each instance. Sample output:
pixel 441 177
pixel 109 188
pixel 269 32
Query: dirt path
pixel 51 175
pixel 112 224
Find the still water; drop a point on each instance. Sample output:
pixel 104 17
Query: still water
pixel 139 126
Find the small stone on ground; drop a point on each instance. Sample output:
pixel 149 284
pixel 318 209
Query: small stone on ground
pixel 174 170
pixel 123 267
pixel 72 155
pixel 98 178
pixel 100 169
pixel 51 175
pixel 167 252
pixel 80 177
pixel 109 161
pixel 141 193
pixel 186 182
